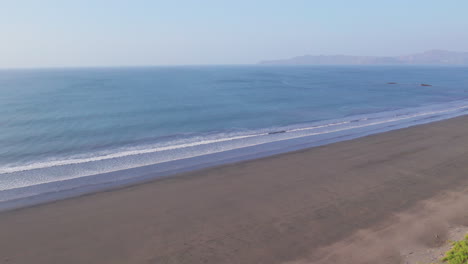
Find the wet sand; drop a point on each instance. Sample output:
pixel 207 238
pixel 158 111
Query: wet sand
pixel 297 207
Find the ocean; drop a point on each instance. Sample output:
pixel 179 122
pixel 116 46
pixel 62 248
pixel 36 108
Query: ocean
pixel 69 131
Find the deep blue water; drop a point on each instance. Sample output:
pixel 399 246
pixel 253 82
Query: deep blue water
pixel 62 124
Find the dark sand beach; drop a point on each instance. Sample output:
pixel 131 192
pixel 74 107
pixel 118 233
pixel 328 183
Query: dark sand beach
pixel 299 207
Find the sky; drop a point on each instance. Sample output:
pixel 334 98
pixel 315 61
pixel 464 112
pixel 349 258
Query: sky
pixel 80 33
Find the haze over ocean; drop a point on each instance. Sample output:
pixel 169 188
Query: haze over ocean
pixel 53 33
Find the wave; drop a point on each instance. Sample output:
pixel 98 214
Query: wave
pixel 278 134
pixel 55 163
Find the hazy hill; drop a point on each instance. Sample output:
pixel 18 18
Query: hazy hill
pixel 428 57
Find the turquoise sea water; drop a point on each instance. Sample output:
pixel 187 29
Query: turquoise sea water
pixel 64 129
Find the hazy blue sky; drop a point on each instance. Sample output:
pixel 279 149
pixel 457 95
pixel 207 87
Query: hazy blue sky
pixel 49 33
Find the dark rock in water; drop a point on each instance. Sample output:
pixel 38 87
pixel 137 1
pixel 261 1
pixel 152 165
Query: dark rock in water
pixel 423 84
pixel 392 83
pixel 277 132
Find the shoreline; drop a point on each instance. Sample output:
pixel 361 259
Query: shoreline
pixel 276 209
pixel 60 182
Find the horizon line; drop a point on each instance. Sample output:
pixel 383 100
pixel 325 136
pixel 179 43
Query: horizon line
pixel 225 65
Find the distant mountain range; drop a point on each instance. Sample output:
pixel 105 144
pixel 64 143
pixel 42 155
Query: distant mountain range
pixel 442 57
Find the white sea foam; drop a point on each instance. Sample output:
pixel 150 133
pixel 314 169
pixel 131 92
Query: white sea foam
pixel 291 134
pixel 204 141
pixel 41 165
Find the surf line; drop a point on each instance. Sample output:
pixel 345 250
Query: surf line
pixel 42 165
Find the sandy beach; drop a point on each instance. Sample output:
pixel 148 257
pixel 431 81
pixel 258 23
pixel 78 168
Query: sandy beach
pixel 301 207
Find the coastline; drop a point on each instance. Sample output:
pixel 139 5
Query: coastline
pixel 60 179
pixel 276 209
